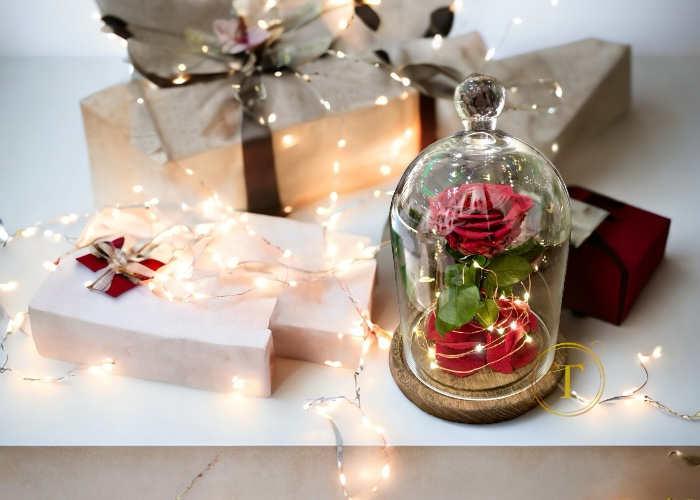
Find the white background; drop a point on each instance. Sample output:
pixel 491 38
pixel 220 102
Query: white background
pixel 652 27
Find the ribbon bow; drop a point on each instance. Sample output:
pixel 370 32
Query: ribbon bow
pixel 123 270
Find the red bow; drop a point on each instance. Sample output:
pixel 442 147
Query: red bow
pixel 124 270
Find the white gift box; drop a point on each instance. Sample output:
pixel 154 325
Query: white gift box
pixel 309 286
pixel 319 319
pixel 216 345
pixel 318 322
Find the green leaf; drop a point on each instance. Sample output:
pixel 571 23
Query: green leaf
pixel 459 274
pixel 470 275
pixel 509 269
pixel 487 314
pixel 456 306
pixel 458 256
pixel 489 285
pixel 453 275
pixel 504 271
pixel 442 327
pixel 529 250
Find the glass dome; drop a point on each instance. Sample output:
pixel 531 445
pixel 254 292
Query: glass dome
pixel 480 227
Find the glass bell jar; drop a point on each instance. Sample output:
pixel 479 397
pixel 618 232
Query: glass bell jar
pixel 480 226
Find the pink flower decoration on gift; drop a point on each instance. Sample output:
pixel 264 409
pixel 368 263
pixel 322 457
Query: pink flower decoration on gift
pixel 479 218
pixel 235 36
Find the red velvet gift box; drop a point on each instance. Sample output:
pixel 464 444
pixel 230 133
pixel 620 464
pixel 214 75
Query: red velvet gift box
pixel 606 274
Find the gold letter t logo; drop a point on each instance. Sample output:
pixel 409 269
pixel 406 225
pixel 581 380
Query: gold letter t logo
pixel 567 379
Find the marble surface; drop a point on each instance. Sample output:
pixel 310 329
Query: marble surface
pixel 300 473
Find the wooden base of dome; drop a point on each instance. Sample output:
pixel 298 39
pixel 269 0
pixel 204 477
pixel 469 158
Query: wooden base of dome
pixel 485 411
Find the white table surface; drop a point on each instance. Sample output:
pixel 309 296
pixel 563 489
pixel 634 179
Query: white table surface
pixel 648 160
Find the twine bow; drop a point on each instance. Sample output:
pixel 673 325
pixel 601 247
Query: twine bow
pixel 123 270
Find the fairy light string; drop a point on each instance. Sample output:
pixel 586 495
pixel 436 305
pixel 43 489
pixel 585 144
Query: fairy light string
pixel 323 405
pixel 16 323
pixel 207 230
pixel 265 117
pixel 12 326
pixel 634 395
pixel 509 323
pixel 516 21
pixel 327 215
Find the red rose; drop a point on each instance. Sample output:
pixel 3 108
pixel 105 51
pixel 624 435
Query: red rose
pixel 459 352
pixel 479 218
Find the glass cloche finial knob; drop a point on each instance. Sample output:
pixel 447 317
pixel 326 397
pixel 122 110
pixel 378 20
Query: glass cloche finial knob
pixel 479 100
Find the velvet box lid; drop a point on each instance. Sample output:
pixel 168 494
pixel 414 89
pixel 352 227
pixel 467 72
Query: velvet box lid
pixel 606 274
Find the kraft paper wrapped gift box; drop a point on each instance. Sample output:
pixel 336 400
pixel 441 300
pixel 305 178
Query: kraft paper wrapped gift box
pixel 181 143
pixel 606 274
pixel 353 122
pixel 201 344
pixel 337 124
pixel 594 79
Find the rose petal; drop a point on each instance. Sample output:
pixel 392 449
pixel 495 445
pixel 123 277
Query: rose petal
pixel 474 247
pixel 525 202
pixel 462 364
pixel 523 354
pixel 498 353
pixel 532 323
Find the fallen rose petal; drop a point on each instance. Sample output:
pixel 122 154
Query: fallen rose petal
pixel 462 334
pixel 523 354
pixel 502 352
pixel 458 362
pixel 498 352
